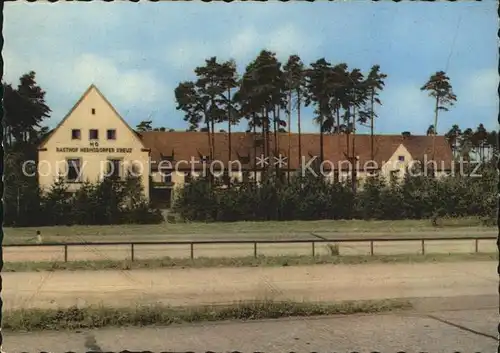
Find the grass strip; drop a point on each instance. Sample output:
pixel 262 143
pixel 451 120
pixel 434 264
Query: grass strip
pixel 99 316
pixel 250 261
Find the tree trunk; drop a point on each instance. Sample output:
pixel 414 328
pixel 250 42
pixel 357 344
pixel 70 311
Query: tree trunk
pixel 299 132
pixel 321 156
pixel 229 123
pixel 353 157
pixel 434 135
pixel 435 128
pixel 210 147
pixel 254 128
pixel 213 140
pixel 289 134
pixel 372 123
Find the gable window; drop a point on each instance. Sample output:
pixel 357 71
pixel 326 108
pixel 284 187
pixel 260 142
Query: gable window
pixel 93 134
pixel 73 174
pixel 401 158
pixel 93 111
pixel 76 134
pixel 114 168
pixel 111 134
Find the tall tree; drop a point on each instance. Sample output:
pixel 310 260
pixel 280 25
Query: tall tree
pixel 229 80
pixel 295 86
pixel 339 96
pixel 210 87
pixel 357 95
pixel 319 91
pixel 25 112
pixel 262 94
pixel 375 83
pixel 195 108
pixel 452 138
pixel 439 87
pixel 479 139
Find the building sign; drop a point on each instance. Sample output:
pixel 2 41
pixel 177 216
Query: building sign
pixel 93 150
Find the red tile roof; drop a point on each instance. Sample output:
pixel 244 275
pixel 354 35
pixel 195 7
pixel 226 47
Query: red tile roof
pixel 186 145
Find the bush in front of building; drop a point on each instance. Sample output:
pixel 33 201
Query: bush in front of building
pixel 312 198
pixel 110 201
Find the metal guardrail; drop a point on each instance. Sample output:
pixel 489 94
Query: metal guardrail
pixel 254 242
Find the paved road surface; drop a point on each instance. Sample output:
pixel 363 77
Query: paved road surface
pixel 121 252
pixel 227 285
pixel 442 331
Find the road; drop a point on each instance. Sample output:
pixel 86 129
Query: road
pixel 470 330
pixel 122 252
pixel 328 283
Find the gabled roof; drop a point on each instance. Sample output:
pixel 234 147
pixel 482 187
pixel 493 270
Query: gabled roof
pixel 84 95
pixel 184 145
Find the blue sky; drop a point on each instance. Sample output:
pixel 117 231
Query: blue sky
pixel 137 53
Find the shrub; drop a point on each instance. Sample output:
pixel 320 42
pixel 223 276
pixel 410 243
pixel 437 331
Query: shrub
pixel 311 198
pixel 110 201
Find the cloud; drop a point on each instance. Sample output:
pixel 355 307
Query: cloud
pixel 243 46
pixel 480 89
pixel 404 107
pixel 244 43
pixel 132 87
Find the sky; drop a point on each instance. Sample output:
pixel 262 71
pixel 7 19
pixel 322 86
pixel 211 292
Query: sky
pixel 137 53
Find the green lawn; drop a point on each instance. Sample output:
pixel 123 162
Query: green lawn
pixel 249 230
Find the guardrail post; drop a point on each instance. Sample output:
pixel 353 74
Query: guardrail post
pixel 477 245
pixel 255 249
pixel 423 247
pixel 313 249
pixel 192 250
pixel 65 252
pixel 371 247
pixel 132 252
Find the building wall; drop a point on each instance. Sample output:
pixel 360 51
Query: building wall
pixel 395 167
pixel 60 146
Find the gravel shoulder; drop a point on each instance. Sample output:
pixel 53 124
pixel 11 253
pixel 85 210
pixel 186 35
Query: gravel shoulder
pixel 201 286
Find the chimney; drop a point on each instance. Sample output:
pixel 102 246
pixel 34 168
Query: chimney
pixel 406 134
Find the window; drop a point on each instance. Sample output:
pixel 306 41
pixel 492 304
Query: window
pixel 93 111
pixel 94 134
pixel 111 134
pixel 401 158
pixel 167 176
pixel 114 168
pixel 76 134
pixel 73 170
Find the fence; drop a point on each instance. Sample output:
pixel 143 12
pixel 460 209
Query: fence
pixel 255 243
